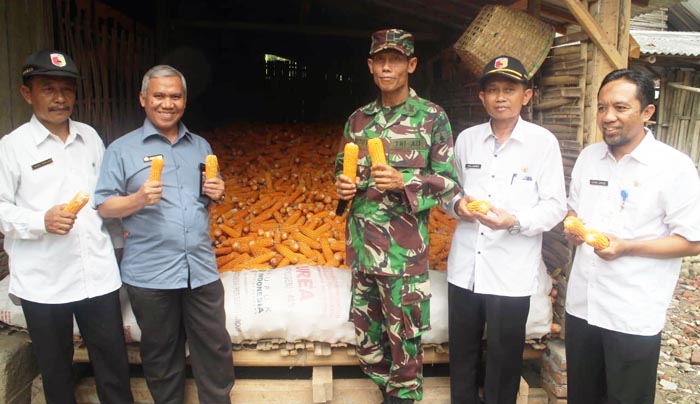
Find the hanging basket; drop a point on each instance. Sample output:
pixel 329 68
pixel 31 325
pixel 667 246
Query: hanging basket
pixel 499 30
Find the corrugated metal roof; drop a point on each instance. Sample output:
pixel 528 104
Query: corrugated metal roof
pixel 668 43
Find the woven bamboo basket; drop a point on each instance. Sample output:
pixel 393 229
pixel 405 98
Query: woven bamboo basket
pixel 499 30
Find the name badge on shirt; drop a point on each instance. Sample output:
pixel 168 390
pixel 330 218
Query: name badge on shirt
pixel 476 166
pixel 146 159
pixel 601 183
pixel 42 163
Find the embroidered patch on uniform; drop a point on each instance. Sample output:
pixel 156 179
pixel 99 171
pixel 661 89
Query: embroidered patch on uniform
pixel 42 163
pixel 408 144
pixel 477 166
pixel 601 183
pixel 146 159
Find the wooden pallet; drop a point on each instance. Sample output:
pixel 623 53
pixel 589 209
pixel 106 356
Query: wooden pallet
pixel 322 388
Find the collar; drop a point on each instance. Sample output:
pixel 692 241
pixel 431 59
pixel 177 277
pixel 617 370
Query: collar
pixel 644 152
pixel 148 130
pixel 517 134
pixel 40 133
pixel 409 107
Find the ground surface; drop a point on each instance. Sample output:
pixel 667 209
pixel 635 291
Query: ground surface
pixel 679 364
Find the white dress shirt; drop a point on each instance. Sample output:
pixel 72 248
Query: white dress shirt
pixel 525 177
pixel 38 171
pixel 631 294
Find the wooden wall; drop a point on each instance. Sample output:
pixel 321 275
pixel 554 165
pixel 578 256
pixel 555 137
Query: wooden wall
pixel 678 114
pixel 19 39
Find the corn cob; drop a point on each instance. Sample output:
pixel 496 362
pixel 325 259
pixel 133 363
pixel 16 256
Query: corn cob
pixel 156 168
pixel 77 203
pixel 211 166
pixel 480 206
pixel 350 153
pixel 376 151
pixel 575 226
pixel 596 239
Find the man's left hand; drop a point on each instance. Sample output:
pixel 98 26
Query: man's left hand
pixel 214 188
pixel 498 219
pixel 387 178
pixel 616 249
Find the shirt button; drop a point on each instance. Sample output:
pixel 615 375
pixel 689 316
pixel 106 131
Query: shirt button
pixel 493 176
pixel 181 187
pixel 478 252
pixel 415 202
pixel 495 155
pixel 482 233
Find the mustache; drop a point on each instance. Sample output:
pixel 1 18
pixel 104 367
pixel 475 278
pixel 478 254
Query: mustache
pixel 59 108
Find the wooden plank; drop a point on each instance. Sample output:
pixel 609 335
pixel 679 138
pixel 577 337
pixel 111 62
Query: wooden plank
pixel 322 384
pixel 595 32
pixel 339 356
pixel 436 390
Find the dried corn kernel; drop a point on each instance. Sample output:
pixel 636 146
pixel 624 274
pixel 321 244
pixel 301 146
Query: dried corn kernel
pixel 156 168
pixel 211 166
pixel 376 151
pixel 77 203
pixel 596 239
pixel 350 153
pixel 575 226
pixel 480 206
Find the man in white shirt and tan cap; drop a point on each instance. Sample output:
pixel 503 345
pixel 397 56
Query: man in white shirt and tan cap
pixel 61 264
pixel 645 197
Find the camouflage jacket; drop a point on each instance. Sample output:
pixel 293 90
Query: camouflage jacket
pixel 387 232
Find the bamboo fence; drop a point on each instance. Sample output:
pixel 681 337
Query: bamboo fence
pixel 678 118
pixel 112 52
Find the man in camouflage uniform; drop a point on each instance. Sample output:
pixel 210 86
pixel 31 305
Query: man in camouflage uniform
pixel 387 227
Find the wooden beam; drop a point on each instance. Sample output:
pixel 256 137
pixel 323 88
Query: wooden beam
pixel 684 87
pixel 288 28
pixel 635 50
pixel 596 33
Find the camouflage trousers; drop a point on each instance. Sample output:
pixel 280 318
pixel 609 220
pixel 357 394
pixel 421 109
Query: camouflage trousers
pixel 390 314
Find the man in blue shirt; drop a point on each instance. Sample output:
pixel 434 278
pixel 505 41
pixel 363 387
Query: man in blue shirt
pixel 169 266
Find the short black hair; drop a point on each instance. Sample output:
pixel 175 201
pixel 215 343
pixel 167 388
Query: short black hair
pixel 645 84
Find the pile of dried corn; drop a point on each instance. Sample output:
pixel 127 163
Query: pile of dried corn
pixel 281 199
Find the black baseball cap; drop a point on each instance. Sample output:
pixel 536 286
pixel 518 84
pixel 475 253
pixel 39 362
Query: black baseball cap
pixel 506 66
pixel 49 63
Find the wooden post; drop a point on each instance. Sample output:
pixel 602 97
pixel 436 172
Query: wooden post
pixel 19 39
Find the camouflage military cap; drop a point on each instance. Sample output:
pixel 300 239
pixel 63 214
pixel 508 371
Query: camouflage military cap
pixel 393 38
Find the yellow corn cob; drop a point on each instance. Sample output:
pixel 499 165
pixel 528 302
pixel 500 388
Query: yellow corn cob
pixel 596 239
pixel 350 153
pixel 376 151
pixel 211 166
pixel 575 226
pixel 156 168
pixel 480 206
pixel 77 203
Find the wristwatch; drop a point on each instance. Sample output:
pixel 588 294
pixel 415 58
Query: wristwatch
pixel 515 228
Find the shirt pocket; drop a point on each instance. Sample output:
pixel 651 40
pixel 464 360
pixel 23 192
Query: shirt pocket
pixel 522 192
pixel 415 305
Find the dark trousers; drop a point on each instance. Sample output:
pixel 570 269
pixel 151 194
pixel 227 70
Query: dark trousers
pixel 167 319
pixel 605 366
pixel 504 317
pixel 100 321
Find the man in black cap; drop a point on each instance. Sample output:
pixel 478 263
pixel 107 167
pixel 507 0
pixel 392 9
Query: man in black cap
pixel 62 264
pixel 516 168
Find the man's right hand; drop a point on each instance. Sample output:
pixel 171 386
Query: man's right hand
pixel 58 221
pixel 462 211
pixel 344 187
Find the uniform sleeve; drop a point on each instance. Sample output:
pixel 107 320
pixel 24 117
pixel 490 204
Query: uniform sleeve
pixel 551 207
pixel 439 183
pixel 15 222
pixel 112 179
pixel 449 205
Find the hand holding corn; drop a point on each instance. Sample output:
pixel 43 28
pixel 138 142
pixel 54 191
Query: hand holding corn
pixel 386 178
